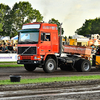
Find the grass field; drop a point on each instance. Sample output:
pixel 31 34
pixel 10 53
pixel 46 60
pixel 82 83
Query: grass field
pixel 10 64
pixel 51 79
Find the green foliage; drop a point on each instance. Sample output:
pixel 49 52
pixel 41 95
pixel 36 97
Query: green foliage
pixel 12 19
pixel 91 26
pixel 1 27
pixel 4 20
pixel 22 13
pixel 54 21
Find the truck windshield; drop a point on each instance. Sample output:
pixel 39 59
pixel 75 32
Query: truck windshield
pixel 28 37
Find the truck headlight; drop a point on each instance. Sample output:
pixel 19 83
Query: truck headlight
pixel 35 57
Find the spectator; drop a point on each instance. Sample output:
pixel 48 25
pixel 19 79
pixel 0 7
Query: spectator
pixel 4 42
pixel 93 48
pixel 15 48
pixel 1 49
pixel 5 49
pixel 98 50
pixel 10 47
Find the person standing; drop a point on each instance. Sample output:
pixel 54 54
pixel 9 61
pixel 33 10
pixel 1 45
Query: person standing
pixel 10 47
pixel 1 49
pixel 5 48
pixel 98 50
pixel 15 48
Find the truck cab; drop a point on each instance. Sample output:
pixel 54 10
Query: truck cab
pixel 37 45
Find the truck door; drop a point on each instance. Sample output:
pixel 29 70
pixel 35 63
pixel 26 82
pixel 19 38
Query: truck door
pixel 55 42
pixel 45 46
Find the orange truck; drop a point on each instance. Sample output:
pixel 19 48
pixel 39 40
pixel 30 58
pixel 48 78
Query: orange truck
pixel 39 45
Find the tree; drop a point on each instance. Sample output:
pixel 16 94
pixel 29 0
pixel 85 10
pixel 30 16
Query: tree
pixel 91 26
pixel 1 27
pixel 54 21
pixel 4 20
pixel 22 13
pixel 37 16
pixel 1 20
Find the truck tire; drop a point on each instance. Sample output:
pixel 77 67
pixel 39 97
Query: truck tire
pixel 82 65
pixel 50 65
pixel 30 67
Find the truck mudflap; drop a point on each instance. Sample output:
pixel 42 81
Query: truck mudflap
pixel 28 62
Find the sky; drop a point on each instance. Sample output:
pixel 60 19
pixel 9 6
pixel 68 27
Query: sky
pixel 71 13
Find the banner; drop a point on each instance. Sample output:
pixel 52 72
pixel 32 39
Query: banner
pixel 8 57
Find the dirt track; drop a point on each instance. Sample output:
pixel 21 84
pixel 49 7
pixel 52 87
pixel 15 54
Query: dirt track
pixel 5 72
pixel 82 90
pixel 79 90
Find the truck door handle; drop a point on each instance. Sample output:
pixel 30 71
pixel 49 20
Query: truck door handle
pixel 49 50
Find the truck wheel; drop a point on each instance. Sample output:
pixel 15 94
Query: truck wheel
pixel 83 65
pixel 50 65
pixel 30 67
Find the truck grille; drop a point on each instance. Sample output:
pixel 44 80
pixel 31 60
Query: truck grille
pixel 27 50
pixel 26 57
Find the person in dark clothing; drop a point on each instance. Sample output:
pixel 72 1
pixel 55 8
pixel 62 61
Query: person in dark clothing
pixel 1 49
pixel 10 47
pixel 5 49
pixel 98 51
pixel 46 38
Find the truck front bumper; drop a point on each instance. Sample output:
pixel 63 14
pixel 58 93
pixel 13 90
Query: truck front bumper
pixel 28 62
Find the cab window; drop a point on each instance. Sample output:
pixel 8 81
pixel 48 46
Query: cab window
pixel 45 36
